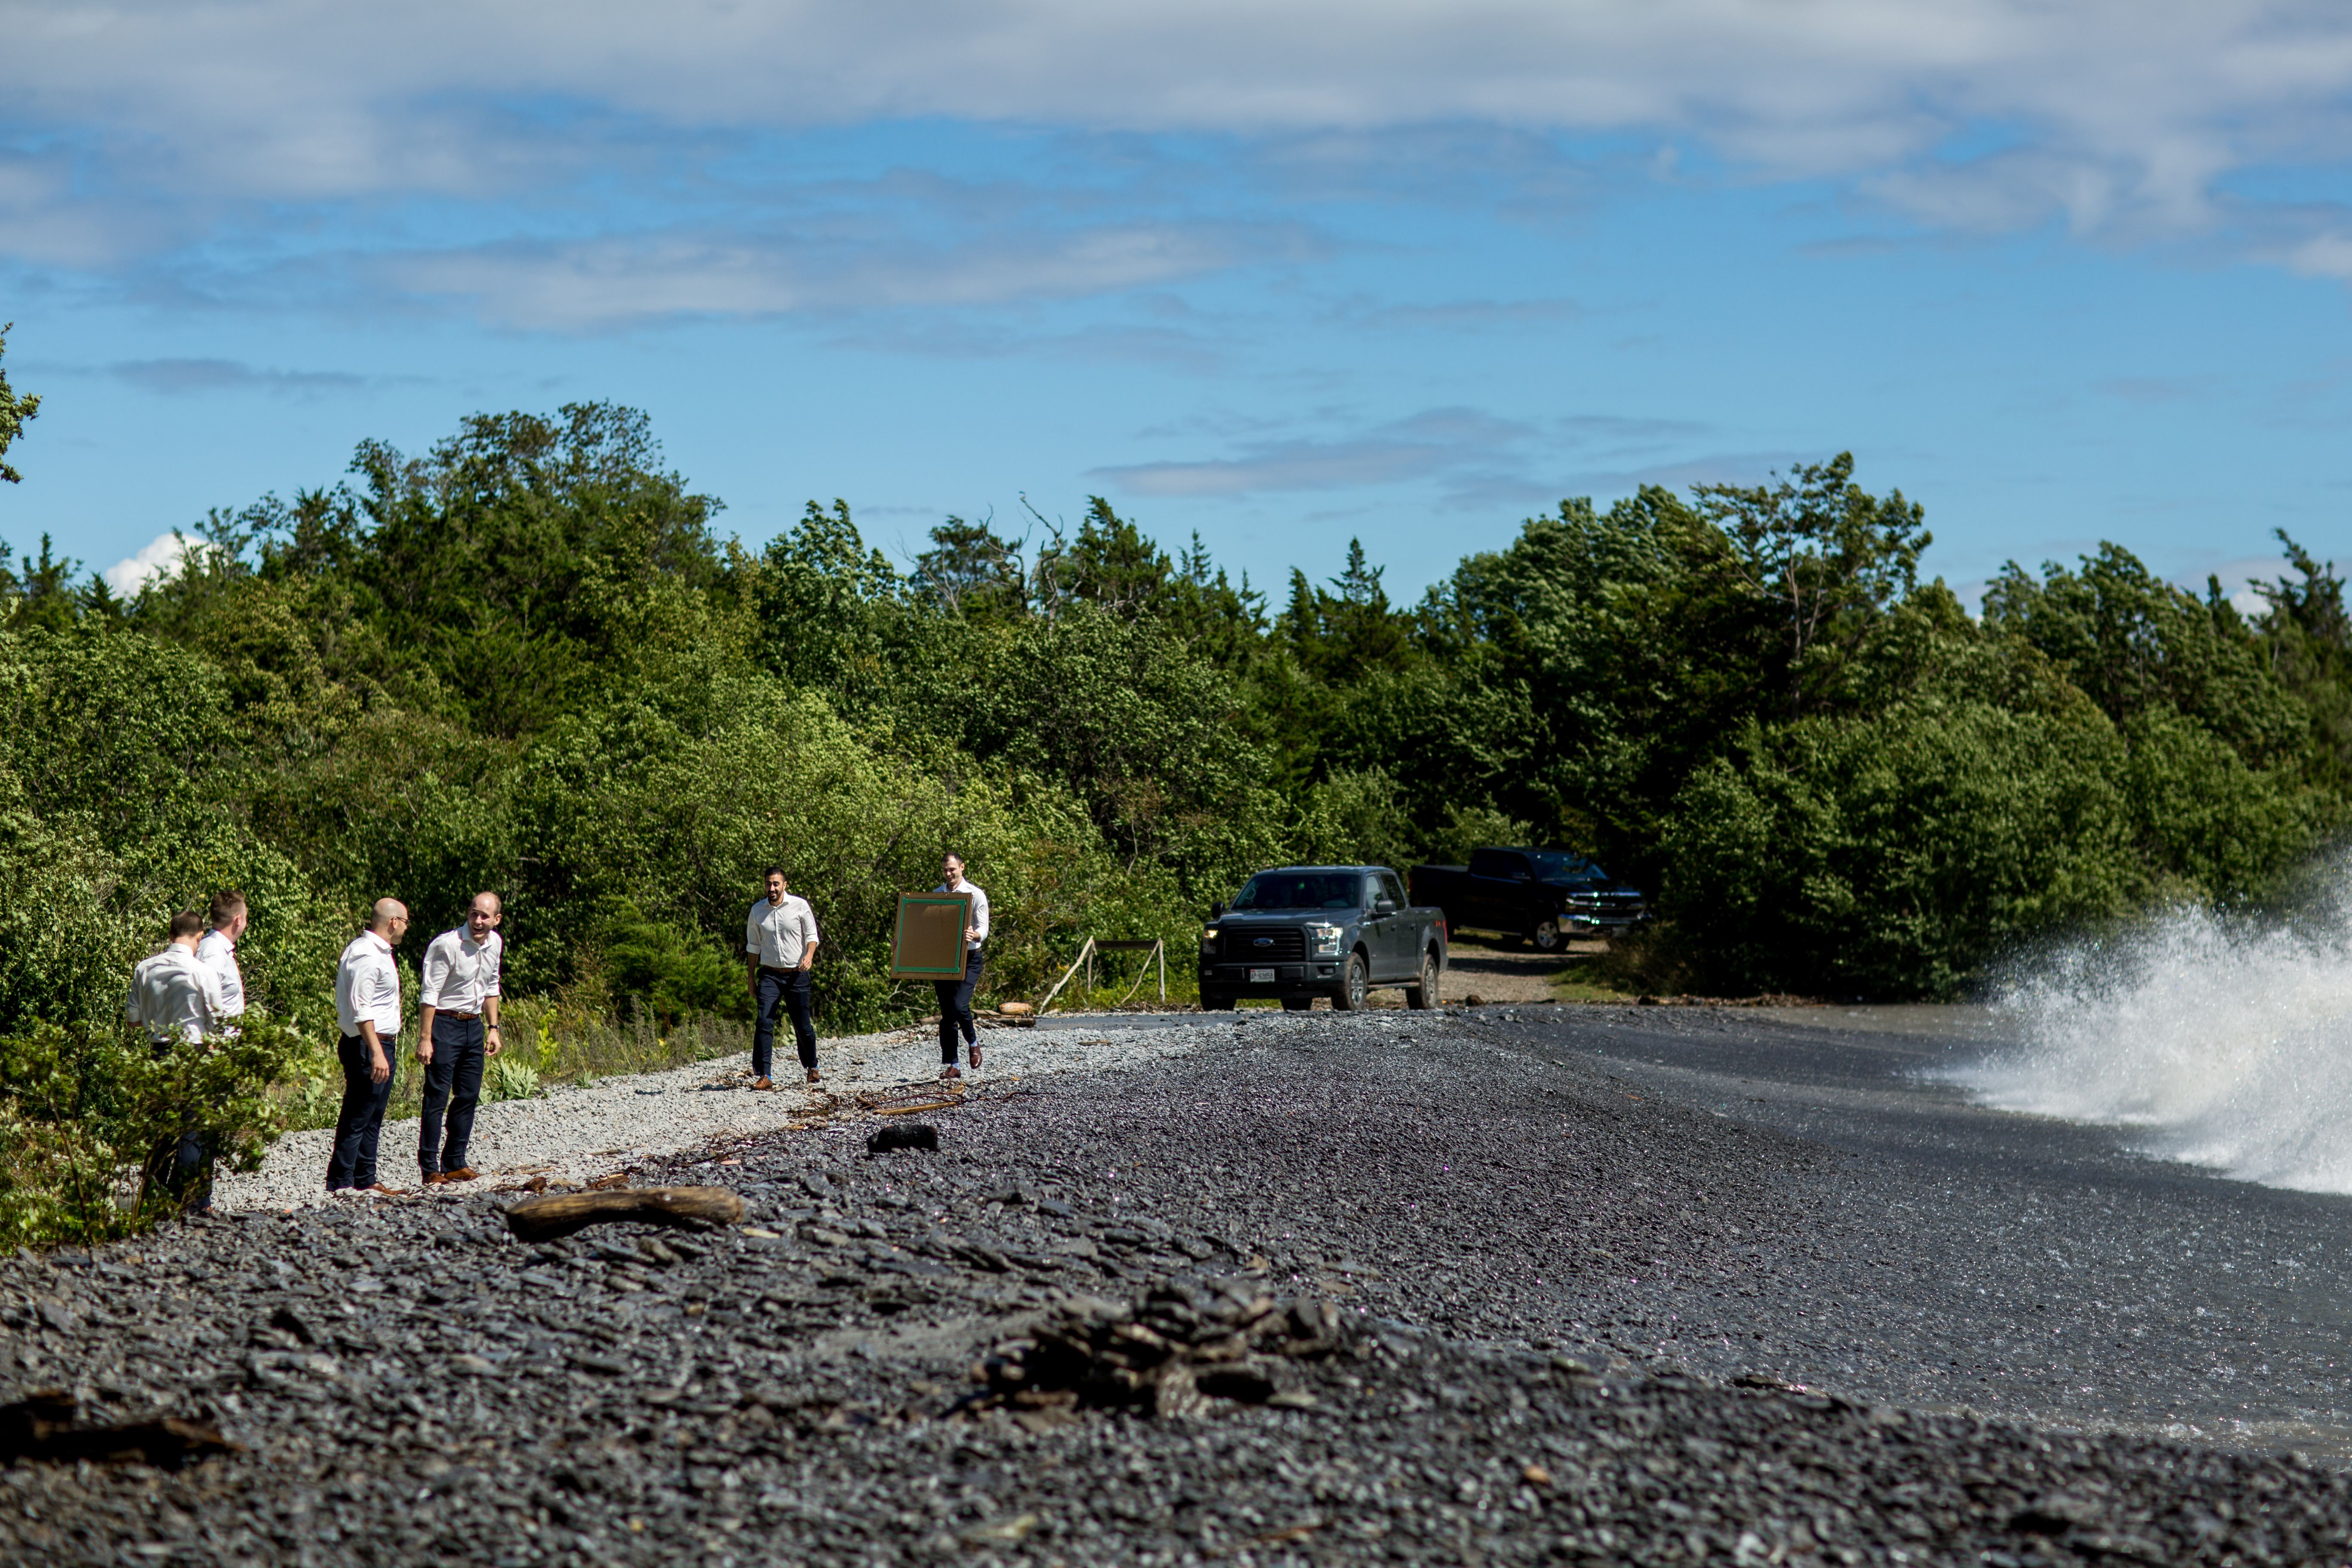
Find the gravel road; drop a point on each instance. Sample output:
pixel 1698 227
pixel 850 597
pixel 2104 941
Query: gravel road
pixel 1529 1285
pixel 579 1132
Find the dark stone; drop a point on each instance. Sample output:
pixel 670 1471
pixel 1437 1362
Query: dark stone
pixel 904 1135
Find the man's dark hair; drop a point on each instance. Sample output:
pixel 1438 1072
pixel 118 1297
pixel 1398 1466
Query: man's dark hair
pixel 187 923
pixel 226 907
pixel 775 871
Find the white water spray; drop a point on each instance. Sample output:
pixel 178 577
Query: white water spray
pixel 2217 1044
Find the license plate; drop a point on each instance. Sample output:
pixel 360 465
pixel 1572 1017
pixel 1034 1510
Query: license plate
pixel 1261 977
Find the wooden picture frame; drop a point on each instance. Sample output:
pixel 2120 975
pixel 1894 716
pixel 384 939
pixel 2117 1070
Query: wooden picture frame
pixel 927 939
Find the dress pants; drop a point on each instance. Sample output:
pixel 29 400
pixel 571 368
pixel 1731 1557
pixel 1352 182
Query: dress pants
pixel 955 1007
pixel 453 1078
pixel 361 1121
pixel 787 989
pixel 191 1181
pixel 185 1162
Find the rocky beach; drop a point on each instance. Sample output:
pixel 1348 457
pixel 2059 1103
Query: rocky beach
pixel 1516 1284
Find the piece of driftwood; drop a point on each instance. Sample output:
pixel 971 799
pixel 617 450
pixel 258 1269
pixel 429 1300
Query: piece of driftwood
pixel 48 1426
pixel 561 1214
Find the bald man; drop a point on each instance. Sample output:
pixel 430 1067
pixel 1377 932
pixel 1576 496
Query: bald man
pixel 367 1005
pixel 457 1016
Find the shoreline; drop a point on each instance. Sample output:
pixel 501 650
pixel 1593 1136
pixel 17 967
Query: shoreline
pixel 1591 1285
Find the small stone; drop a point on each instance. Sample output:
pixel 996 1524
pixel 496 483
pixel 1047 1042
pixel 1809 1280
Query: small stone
pixel 1012 1531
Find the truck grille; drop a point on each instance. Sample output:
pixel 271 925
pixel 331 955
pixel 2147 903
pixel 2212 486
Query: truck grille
pixel 1285 944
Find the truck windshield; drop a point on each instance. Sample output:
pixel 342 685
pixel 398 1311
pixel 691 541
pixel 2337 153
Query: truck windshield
pixel 1558 868
pixel 1300 890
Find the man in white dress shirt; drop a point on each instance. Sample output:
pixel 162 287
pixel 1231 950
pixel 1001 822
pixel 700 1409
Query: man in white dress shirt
pixel 456 1031
pixel 174 996
pixel 217 949
pixel 177 998
pixel 955 995
pixel 367 1005
pixel 780 940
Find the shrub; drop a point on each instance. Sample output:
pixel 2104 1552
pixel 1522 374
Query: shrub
pixel 89 1116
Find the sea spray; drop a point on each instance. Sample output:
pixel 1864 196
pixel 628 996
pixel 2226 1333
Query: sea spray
pixel 2219 1041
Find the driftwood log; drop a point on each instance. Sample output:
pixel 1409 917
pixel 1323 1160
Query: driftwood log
pixel 48 1426
pixel 561 1214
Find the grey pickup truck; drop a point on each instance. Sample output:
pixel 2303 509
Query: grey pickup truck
pixel 1304 931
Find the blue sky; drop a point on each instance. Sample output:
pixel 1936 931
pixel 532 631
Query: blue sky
pixel 1285 273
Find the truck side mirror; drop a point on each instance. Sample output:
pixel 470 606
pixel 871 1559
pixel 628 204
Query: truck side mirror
pixel 1384 906
pixel 1217 911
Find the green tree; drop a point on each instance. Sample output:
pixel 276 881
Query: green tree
pixel 1814 561
pixel 2134 642
pixel 16 409
pixel 2308 636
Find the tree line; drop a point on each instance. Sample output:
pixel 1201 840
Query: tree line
pixel 530 659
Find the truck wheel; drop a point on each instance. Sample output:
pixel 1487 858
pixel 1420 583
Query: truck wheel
pixel 1425 995
pixel 1297 1003
pixel 1354 985
pixel 1547 936
pixel 1215 1002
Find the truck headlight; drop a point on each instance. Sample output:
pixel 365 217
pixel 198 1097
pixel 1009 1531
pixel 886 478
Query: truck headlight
pixel 1325 940
pixel 1209 939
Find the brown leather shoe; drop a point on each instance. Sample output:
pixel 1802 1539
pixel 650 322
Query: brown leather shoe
pixel 975 1056
pixel 950 1071
pixel 812 1077
pixel 434 1178
pixel 762 1083
pixel 462 1173
pixel 387 1192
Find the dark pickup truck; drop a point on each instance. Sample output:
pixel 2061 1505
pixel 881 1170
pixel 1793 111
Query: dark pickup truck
pixel 1545 896
pixel 1304 931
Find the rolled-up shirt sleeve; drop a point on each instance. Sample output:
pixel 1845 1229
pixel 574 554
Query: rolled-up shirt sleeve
pixel 980 914
pixel 808 927
pixel 437 973
pixel 380 984
pixel 494 957
pixel 752 934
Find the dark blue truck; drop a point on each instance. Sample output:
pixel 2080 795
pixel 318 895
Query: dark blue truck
pixel 1543 895
pixel 1302 932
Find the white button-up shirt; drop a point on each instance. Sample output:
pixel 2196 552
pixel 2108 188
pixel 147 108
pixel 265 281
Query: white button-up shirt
pixel 367 987
pixel 459 971
pixel 174 995
pixel 979 911
pixel 217 953
pixel 777 934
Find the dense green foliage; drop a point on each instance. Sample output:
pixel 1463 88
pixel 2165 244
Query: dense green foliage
pixel 527 660
pixel 89 1122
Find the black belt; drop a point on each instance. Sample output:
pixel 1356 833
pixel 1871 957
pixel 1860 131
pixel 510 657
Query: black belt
pixel 771 969
pixel 461 1017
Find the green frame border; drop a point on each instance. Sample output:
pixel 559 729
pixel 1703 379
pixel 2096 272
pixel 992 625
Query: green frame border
pixel 900 970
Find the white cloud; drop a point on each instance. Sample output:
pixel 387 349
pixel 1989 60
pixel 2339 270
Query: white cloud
pixel 612 282
pixel 2120 114
pixel 2238 578
pixel 159 559
pixel 1477 460
pixel 1437 441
